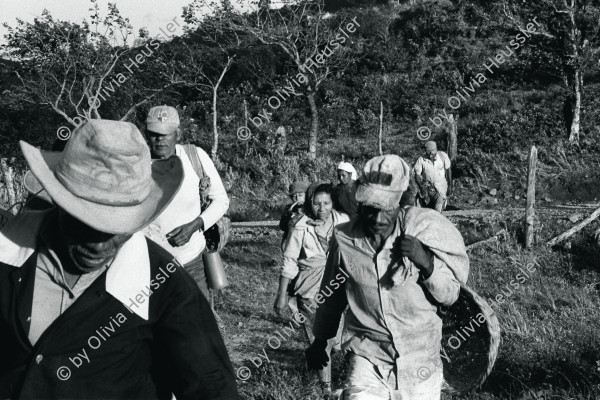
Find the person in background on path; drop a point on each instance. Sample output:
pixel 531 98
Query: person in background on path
pixel 344 195
pixel 304 256
pixel 402 263
pixel 82 271
pixel 183 222
pixel 432 175
pixel 294 211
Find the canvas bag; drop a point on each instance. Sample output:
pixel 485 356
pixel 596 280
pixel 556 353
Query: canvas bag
pixel 218 234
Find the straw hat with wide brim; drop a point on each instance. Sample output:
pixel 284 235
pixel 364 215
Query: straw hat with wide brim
pixel 34 187
pixel 105 177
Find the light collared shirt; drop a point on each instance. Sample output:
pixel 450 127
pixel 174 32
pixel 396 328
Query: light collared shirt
pixel 434 171
pixel 52 296
pixel 304 252
pixel 390 317
pixel 185 207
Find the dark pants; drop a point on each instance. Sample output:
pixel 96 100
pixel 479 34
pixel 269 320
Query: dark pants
pixel 196 269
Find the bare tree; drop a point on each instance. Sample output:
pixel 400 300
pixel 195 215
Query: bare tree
pixel 208 54
pixel 572 34
pixel 70 67
pixel 302 32
pixel 191 68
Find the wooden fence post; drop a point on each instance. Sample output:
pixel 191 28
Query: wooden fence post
pixel 530 211
pixel 381 129
pixel 246 124
pixel 452 138
pixel 452 149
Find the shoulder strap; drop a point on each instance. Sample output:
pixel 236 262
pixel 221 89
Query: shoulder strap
pixel 192 154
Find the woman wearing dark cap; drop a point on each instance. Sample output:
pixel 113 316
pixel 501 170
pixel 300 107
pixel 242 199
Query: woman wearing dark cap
pixel 295 210
pixel 304 256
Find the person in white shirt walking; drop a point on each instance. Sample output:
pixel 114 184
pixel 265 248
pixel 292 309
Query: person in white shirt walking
pixel 432 174
pixel 183 222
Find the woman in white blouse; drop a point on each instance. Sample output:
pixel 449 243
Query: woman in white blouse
pixel 304 256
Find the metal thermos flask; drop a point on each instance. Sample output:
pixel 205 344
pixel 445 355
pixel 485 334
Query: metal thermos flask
pixel 215 271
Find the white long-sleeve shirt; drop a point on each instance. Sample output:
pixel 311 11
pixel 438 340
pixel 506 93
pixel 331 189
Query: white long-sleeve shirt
pixel 434 171
pixel 185 207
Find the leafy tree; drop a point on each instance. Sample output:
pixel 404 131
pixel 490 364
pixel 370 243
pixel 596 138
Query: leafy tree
pixel 302 32
pixel 203 57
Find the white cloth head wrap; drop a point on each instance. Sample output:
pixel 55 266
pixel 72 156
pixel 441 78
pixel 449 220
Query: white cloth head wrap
pixel 346 166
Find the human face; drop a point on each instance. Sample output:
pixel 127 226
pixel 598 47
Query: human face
pixel 88 248
pixel 378 222
pixel 298 197
pixel 162 146
pixel 430 154
pixel 322 205
pixel 344 177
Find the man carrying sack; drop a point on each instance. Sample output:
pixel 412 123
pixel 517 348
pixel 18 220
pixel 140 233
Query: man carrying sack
pixel 89 308
pixel 432 175
pixel 200 203
pixel 402 264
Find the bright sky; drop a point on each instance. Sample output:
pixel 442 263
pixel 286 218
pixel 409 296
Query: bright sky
pixel 153 14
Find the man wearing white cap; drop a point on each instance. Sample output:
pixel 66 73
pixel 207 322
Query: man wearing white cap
pixel 432 174
pixel 89 308
pixel 402 264
pixel 344 197
pixel 200 202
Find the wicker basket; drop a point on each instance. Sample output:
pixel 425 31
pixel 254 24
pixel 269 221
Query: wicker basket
pixel 470 340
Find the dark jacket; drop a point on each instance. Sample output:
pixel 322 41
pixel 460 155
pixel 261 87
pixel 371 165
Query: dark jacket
pixel 178 349
pixel 344 199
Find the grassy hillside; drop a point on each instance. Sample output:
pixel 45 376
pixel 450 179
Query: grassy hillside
pixel 495 133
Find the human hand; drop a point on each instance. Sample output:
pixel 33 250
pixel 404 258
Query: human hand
pixel 316 356
pixel 182 234
pixel 413 249
pixel 280 305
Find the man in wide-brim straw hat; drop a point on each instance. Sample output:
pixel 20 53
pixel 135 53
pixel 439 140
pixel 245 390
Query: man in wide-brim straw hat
pixel 89 308
pixel 401 264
